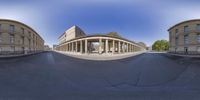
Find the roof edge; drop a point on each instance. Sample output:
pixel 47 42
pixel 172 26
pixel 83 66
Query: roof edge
pixel 11 20
pixel 183 23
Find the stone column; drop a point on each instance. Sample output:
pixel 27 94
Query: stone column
pixel 81 46
pixel 119 47
pixel 123 47
pixel 131 48
pixel 127 47
pixel 76 47
pixel 86 47
pixel 106 46
pixel 72 46
pixel 100 46
pixel 113 51
pixel 69 47
pixel 66 47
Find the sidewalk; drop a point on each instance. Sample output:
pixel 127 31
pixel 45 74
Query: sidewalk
pixel 19 55
pixel 100 57
pixel 180 55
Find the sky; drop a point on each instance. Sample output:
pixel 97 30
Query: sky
pixel 137 20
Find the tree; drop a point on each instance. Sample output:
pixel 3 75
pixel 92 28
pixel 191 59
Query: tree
pixel 113 34
pixel 161 45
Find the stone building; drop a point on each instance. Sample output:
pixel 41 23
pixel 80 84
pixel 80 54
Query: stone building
pixel 184 37
pixel 76 41
pixel 47 48
pixel 18 38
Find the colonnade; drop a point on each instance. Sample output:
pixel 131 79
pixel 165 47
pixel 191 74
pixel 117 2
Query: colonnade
pixel 105 46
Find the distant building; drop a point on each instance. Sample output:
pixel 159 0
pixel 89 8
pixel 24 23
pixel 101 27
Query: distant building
pixel 75 40
pixel 47 48
pixel 149 48
pixel 142 44
pixel 18 38
pixel 55 47
pixel 184 37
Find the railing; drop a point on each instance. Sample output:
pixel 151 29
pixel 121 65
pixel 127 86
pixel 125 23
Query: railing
pixel 186 53
pixel 4 53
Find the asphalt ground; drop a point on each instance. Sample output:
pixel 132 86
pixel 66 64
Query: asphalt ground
pixel 53 76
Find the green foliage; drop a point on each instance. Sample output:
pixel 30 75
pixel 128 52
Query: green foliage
pixel 113 34
pixel 161 45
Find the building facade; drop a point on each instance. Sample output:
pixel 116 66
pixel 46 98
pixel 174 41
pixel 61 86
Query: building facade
pixel 184 37
pixel 18 38
pixel 47 48
pixel 55 47
pixel 79 42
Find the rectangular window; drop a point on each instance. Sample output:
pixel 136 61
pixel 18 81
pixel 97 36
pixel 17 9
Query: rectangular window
pixel 22 39
pixel 176 41
pixel 186 39
pixel 176 30
pixel 29 42
pixel 11 38
pixel 186 28
pixel 11 28
pixel 0 38
pixel 170 35
pixel 22 30
pixel 198 38
pixel 198 27
pixel 0 28
pixel 29 33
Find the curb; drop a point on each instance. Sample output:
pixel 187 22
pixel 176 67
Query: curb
pixel 23 55
pixel 189 56
pixel 101 57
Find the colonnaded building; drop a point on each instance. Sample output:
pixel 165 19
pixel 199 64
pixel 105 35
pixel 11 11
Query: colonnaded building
pixel 184 37
pixel 18 38
pixel 75 40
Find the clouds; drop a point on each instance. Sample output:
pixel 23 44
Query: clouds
pixel 30 14
pixel 139 20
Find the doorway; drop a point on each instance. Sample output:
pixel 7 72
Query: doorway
pixel 186 50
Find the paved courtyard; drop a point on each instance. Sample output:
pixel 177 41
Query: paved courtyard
pixel 50 75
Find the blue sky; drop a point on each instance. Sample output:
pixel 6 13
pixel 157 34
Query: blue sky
pixel 137 20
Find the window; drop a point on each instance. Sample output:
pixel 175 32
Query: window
pixel 11 28
pixel 198 49
pixel 198 27
pixel 0 38
pixel 186 28
pixel 186 39
pixel 0 28
pixel 29 42
pixel 22 30
pixel 11 38
pixel 176 30
pixel 198 38
pixel 22 38
pixel 176 41
pixel 29 33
